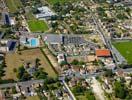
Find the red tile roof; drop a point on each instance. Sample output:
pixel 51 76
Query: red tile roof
pixel 103 53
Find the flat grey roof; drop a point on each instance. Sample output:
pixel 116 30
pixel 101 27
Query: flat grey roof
pixel 53 38
pixel 71 39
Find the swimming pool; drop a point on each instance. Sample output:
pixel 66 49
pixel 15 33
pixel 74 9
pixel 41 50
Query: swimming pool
pixel 34 42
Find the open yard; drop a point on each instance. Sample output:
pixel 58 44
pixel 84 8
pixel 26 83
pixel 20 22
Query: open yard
pixel 13 5
pixel 15 60
pixel 125 48
pixel 37 25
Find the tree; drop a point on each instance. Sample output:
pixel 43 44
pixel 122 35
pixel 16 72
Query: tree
pixel 128 10
pixel 75 62
pixel 37 62
pixel 49 80
pixel 26 76
pixel 14 90
pixel 52 87
pixel 40 74
pixel 78 89
pixel 89 95
pixel 21 70
pixel 109 73
pixel 45 87
pixel 14 70
pixel 129 96
pixel 63 63
pixel 2 69
pixel 120 90
pixel 22 74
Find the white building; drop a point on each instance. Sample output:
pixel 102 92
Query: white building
pixel 45 12
pixel 60 58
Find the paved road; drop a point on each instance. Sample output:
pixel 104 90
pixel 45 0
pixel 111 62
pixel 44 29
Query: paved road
pixel 105 39
pixel 115 54
pixel 117 57
pixel 71 74
pixel 71 94
pixel 21 83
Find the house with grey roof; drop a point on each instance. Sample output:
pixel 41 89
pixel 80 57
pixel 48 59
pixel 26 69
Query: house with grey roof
pixel 64 39
pixel 45 13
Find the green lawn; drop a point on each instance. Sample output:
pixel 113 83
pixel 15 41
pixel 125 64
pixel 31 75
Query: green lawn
pixel 37 26
pixel 13 5
pixel 61 1
pixel 55 1
pixel 125 48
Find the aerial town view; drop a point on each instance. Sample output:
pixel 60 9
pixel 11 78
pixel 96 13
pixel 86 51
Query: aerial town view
pixel 65 49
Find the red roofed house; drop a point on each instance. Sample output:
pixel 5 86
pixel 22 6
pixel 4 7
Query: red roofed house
pixel 103 53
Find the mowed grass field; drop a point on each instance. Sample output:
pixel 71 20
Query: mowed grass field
pixel 37 26
pixel 13 5
pixel 125 48
pixel 15 60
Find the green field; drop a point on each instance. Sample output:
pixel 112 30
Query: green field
pixel 13 5
pixel 125 48
pixel 37 26
pixel 55 1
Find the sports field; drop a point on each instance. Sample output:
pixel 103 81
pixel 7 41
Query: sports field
pixel 13 5
pixel 37 26
pixel 125 48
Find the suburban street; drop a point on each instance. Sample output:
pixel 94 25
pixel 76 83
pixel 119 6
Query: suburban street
pixel 8 85
pixel 65 50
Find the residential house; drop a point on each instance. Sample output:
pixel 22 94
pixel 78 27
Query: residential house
pixel 103 53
